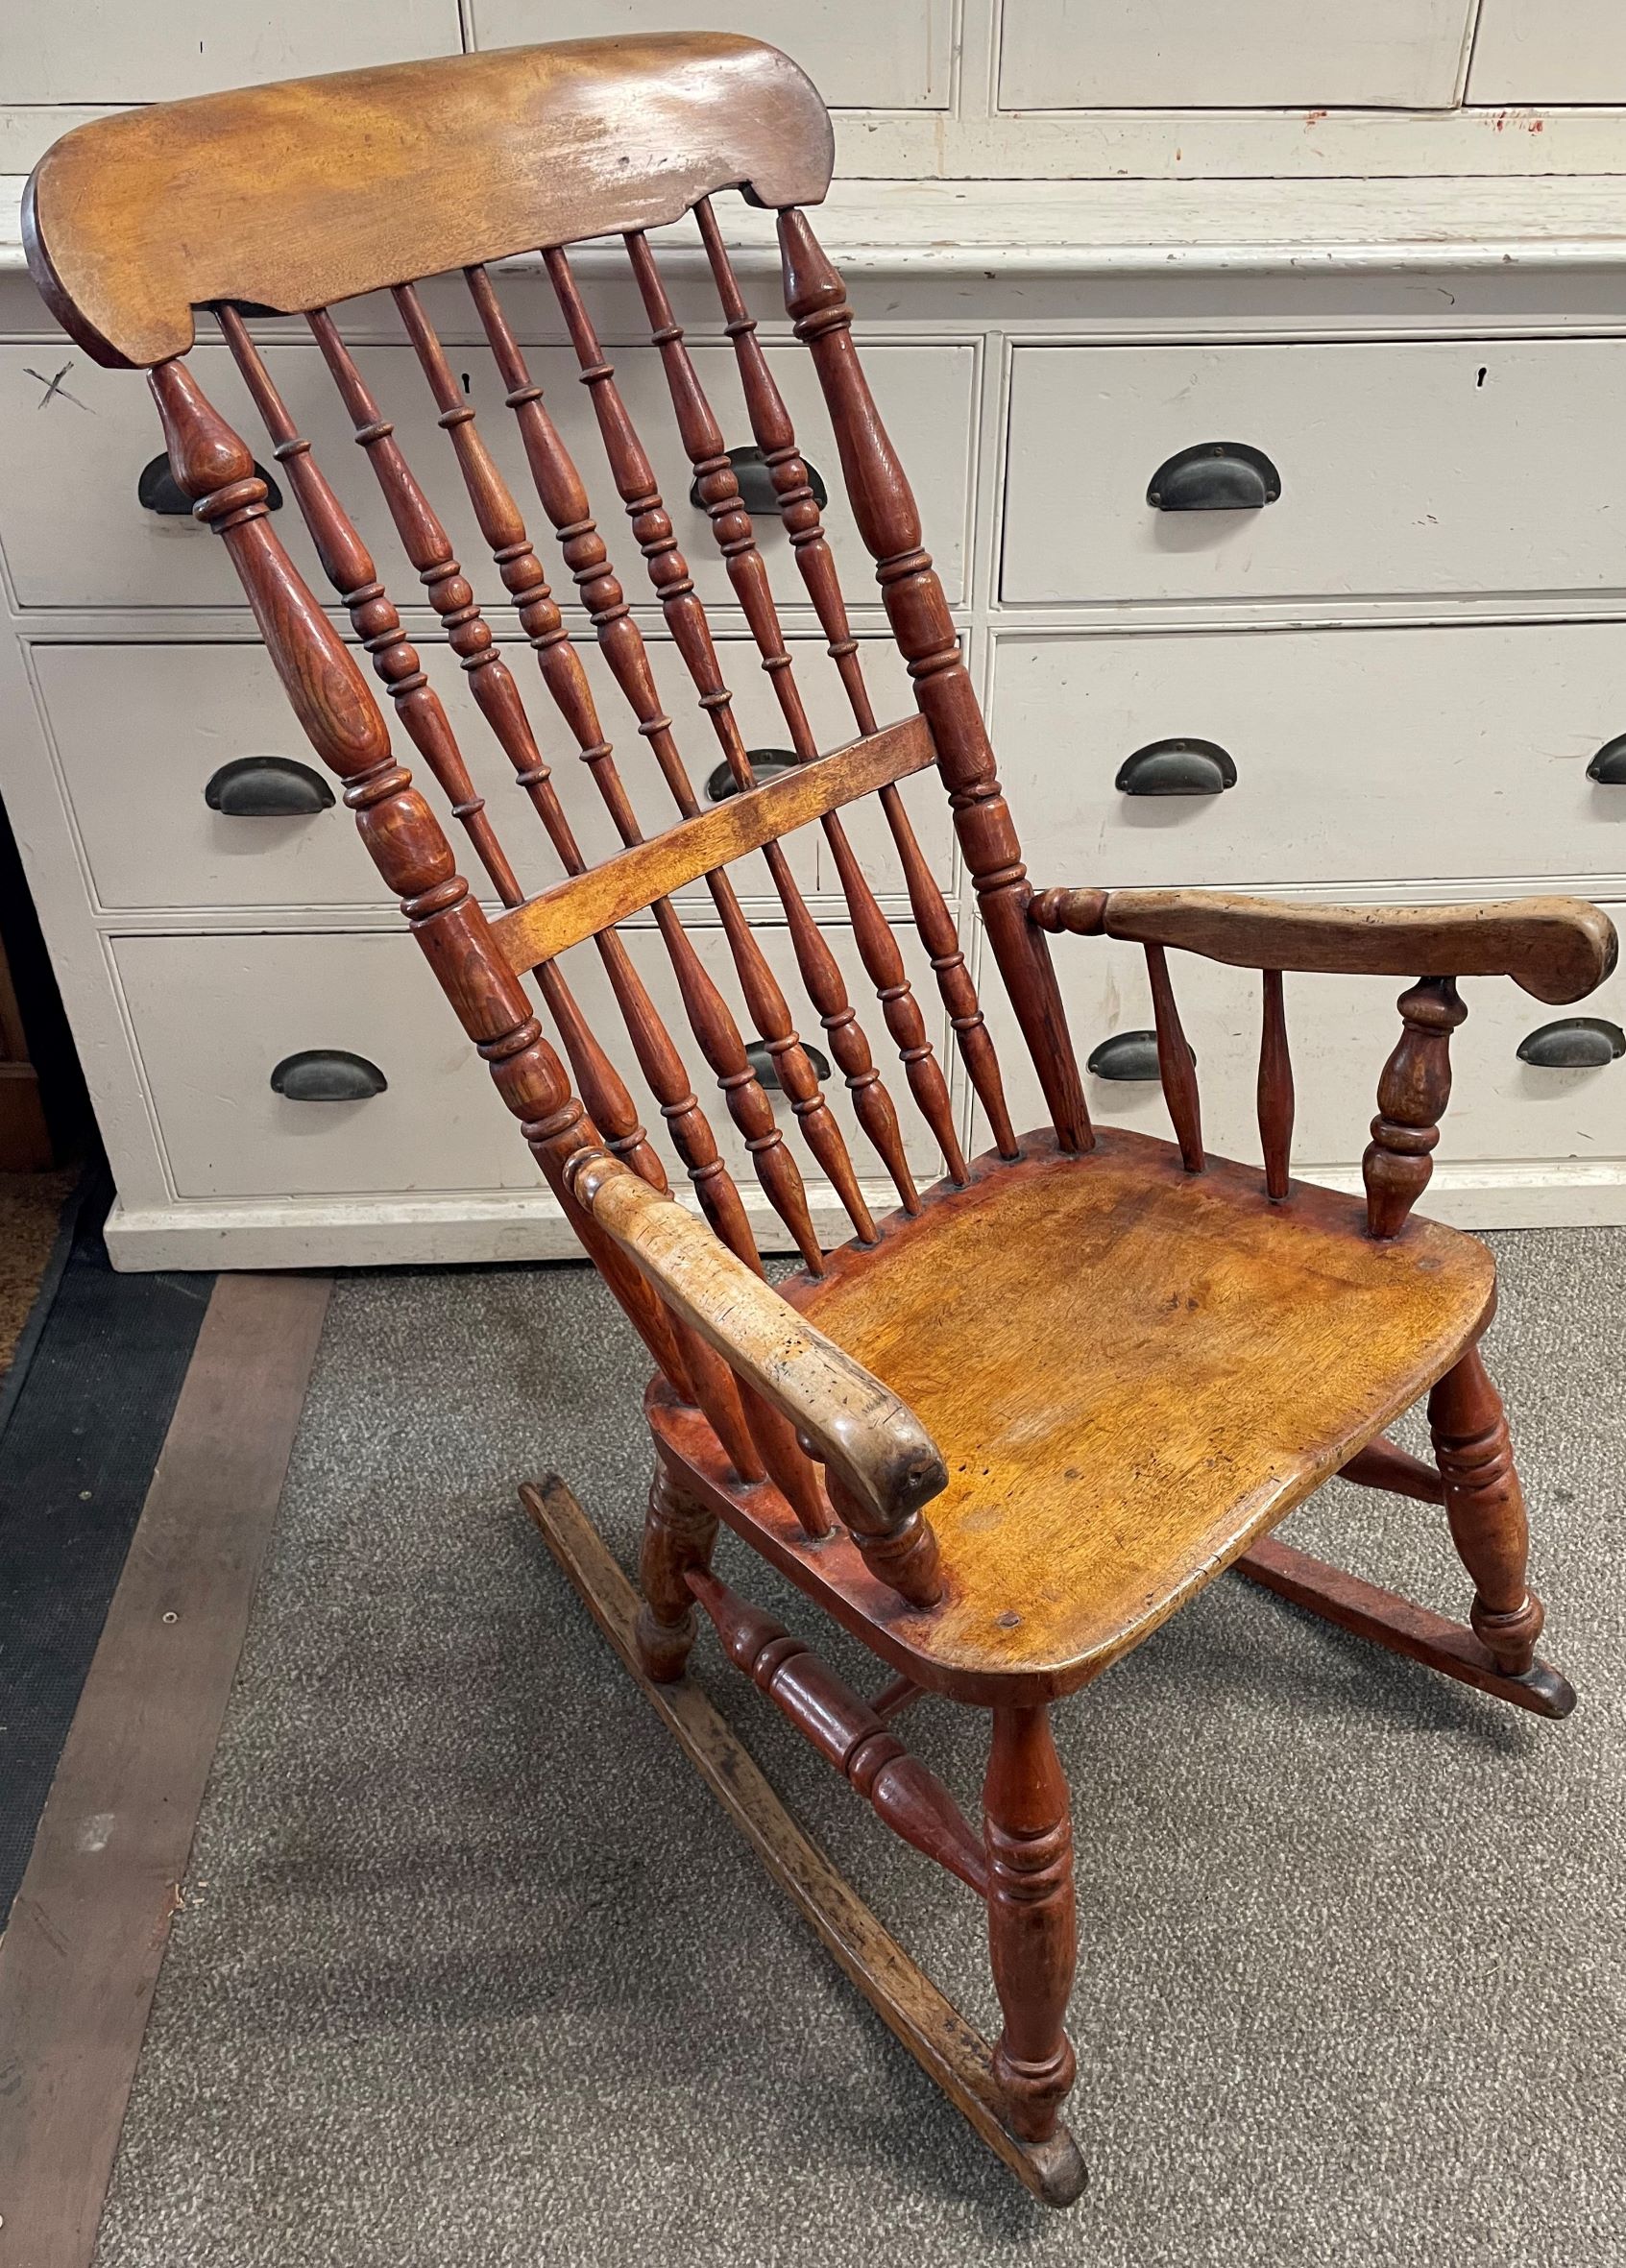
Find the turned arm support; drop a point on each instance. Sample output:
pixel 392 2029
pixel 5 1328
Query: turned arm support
pixel 1557 949
pixel 881 1462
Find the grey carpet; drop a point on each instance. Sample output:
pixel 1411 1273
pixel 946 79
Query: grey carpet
pixel 472 1971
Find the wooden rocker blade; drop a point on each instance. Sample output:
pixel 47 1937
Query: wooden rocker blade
pixel 1401 1626
pixel 910 2006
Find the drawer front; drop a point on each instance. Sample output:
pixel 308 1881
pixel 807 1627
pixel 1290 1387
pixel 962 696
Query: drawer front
pixel 858 58
pixel 1058 55
pixel 82 51
pixel 146 733
pixel 1340 1031
pixel 75 534
pixel 215 1015
pixel 1434 755
pixel 1404 468
pixel 1528 51
pixel 591 990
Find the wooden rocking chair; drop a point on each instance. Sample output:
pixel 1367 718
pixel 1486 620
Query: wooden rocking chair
pixel 1006 1431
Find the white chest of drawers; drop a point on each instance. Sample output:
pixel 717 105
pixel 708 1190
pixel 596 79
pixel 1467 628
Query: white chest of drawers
pixel 1409 660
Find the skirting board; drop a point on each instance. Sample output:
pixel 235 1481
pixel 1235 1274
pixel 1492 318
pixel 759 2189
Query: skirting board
pixel 470 1228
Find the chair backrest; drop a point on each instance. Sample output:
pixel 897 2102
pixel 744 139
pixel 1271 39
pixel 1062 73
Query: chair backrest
pixel 289 199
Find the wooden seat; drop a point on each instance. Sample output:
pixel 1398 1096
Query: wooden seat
pixel 1131 1371
pixel 1007 1429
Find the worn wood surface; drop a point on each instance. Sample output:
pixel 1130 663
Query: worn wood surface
pixel 1154 1368
pixel 310 190
pixel 562 916
pixel 1401 1626
pixel 1559 949
pixel 872 1446
pixel 81 1957
pixel 1485 1508
pixel 910 2006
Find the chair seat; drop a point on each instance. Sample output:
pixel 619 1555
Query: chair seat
pixel 1131 1371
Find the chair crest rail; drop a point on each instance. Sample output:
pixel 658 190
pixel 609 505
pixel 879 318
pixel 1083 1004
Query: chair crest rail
pixel 131 222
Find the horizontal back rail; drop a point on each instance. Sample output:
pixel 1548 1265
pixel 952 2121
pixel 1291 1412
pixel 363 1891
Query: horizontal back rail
pixel 579 907
pixel 308 191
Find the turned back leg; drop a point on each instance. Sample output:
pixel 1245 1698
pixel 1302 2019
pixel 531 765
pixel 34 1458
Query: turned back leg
pixel 678 1533
pixel 1485 1507
pixel 1033 1932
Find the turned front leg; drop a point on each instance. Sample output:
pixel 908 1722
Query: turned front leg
pixel 678 1533
pixel 1485 1507
pixel 1032 1932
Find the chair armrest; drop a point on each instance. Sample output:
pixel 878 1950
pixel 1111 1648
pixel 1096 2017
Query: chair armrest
pixel 1556 948
pixel 870 1442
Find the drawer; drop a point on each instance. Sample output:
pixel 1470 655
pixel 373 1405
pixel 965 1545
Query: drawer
pixel 1340 1031
pixel 1062 55
pixel 1359 755
pixel 1528 51
pixel 75 535
pixel 212 1017
pixel 591 990
pixel 893 58
pixel 141 731
pixel 82 51
pixel 1406 468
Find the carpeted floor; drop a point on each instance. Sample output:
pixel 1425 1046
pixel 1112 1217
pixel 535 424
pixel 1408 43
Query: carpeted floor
pixel 472 1971
pixel 31 1206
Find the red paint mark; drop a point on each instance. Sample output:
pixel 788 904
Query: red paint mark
pixel 1314 118
pixel 1538 126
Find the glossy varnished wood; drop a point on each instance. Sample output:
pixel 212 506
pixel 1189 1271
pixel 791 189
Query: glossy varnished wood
pixel 910 2006
pixel 311 190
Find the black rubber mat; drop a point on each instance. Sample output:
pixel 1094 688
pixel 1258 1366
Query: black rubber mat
pixel 84 1419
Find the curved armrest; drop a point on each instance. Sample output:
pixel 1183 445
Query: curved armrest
pixel 871 1443
pixel 1556 948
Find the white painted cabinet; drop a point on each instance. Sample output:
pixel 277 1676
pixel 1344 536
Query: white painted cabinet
pixel 1190 55
pixel 1549 51
pixel 1459 464
pixel 896 57
pixel 1407 755
pixel 112 50
pixel 74 531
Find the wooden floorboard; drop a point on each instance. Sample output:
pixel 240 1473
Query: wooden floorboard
pixel 81 1957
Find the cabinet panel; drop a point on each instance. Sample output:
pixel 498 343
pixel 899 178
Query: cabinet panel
pixel 892 57
pixel 1359 755
pixel 142 730
pixel 105 51
pixel 75 535
pixel 1061 55
pixel 1405 466
pixel 215 1015
pixel 1340 1031
pixel 1530 51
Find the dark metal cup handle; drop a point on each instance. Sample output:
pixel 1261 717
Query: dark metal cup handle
pixel 755 480
pixel 761 1059
pixel 327 1074
pixel 1182 766
pixel 267 787
pixel 1215 476
pixel 1574 1043
pixel 765 763
pixel 156 490
pixel 1129 1055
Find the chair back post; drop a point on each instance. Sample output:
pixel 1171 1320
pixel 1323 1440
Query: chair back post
pixel 887 519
